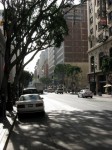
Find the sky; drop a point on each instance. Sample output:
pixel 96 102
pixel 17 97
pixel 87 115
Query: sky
pixel 30 67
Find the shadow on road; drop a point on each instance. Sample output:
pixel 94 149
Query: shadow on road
pixel 64 130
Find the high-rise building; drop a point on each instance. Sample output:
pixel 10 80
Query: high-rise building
pixel 99 41
pixel 75 46
pixel 41 68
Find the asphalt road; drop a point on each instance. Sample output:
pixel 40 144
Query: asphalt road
pixel 70 123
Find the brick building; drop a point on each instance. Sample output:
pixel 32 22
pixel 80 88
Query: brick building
pixel 75 46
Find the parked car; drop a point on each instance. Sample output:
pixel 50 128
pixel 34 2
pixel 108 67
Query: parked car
pixel 30 103
pixel 59 90
pixel 85 93
pixel 30 90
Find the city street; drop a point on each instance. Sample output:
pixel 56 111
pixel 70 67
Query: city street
pixel 70 123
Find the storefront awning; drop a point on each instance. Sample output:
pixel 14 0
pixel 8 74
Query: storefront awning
pixel 107 85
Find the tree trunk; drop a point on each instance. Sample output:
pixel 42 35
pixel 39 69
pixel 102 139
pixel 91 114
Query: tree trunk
pixel 3 97
pixel 6 102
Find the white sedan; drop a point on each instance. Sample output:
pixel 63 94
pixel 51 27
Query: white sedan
pixel 30 103
pixel 85 93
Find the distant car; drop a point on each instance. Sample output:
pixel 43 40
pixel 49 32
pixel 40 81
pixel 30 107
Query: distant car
pixel 50 90
pixel 84 93
pixel 30 103
pixel 30 90
pixel 59 90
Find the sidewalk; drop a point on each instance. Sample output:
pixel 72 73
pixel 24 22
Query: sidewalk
pixel 6 127
pixel 109 97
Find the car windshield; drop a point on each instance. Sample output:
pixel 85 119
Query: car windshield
pixel 28 91
pixel 29 97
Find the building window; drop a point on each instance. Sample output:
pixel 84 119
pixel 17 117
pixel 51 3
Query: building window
pixel 110 31
pixel 91 31
pixel 91 44
pixel 100 37
pixel 91 20
pixel 109 2
pixel 110 16
pixel 92 63
pixel 98 2
pixel 99 26
pixel 98 13
pixel 90 9
pixel 101 54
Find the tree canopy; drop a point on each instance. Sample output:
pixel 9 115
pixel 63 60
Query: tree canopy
pixel 31 26
pixel 66 70
pixel 106 64
pixel 25 78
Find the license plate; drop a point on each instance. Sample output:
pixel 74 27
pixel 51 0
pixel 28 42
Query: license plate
pixel 30 105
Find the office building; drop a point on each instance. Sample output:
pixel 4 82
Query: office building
pixel 99 41
pixel 75 46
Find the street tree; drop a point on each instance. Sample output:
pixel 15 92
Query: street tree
pixel 106 67
pixel 69 72
pixel 25 78
pixel 29 27
pixel 73 73
pixel 60 71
